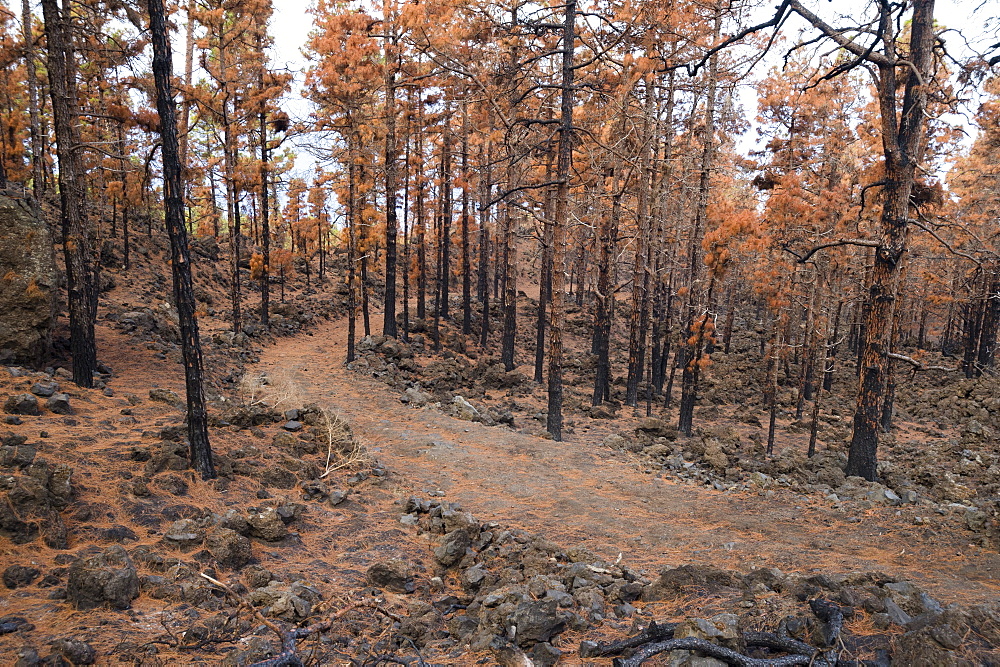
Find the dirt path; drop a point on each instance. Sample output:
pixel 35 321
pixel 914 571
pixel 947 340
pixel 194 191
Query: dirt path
pixel 581 493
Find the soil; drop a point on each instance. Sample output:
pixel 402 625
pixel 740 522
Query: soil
pixel 579 492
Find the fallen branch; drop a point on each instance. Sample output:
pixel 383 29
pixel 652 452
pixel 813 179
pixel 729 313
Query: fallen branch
pixel 652 633
pixel 918 365
pixel 832 618
pixel 777 642
pixel 726 655
pixel 657 639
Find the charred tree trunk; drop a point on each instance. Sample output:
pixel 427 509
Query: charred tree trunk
pixel 466 240
pixel 510 294
pixel 902 144
pixel 77 236
pixel 265 213
pixel 831 349
pixel 608 233
pixel 419 222
pixel 545 280
pixel 391 223
pixel 639 319
pixel 554 419
pixel 34 103
pixel 692 350
pixel 197 418
pixel 446 213
pixel 352 258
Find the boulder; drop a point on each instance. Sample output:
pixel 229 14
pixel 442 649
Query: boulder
pixel 414 396
pixel 393 575
pixel 722 629
pixel 28 286
pixel 656 428
pixel 267 525
pixel 59 404
pixel 229 548
pixel 165 396
pixel 44 389
pixel 77 652
pixel 105 578
pixel 16 576
pixel 537 621
pixel 462 409
pixel 22 404
pixel 184 533
pixel 452 549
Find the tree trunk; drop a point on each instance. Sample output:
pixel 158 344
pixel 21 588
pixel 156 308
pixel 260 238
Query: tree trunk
pixel 831 349
pixel 608 233
pixel 352 258
pixel 391 224
pixel 554 419
pixel 639 319
pixel 691 351
pixel 419 221
pixel 265 211
pixel 197 418
pixel 510 294
pixel 446 212
pixel 78 245
pixel 990 322
pixel 545 280
pixel 902 145
pixel 466 247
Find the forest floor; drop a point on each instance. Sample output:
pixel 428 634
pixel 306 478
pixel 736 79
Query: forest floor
pixel 362 543
pixel 582 493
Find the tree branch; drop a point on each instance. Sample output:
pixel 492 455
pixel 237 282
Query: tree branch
pixel 918 365
pixel 802 259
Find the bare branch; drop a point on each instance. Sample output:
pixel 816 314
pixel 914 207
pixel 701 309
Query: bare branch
pixel 802 259
pixel 918 365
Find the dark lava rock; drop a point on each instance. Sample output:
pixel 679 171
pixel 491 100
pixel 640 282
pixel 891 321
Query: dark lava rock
pixel 544 654
pixel 278 477
pixel 173 484
pixel 107 577
pixel 229 548
pixel 75 651
pixel 10 624
pixel 32 506
pixel 16 576
pixel 537 621
pixel 59 404
pixel 707 578
pixel 452 549
pixel 19 456
pixel 165 396
pixel 22 404
pixel 602 412
pixel 267 525
pixel 393 575
pixel 656 428
pixel 44 389
pixel 119 533
pixel 184 533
